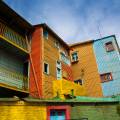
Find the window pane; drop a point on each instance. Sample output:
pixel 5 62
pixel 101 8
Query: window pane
pixel 109 46
pixel 45 33
pixel 74 56
pixel 106 77
pixel 46 68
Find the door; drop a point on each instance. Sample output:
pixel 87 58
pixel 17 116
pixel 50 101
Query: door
pixel 57 115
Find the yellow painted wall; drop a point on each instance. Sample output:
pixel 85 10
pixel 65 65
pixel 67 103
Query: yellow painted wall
pixel 87 63
pixel 21 111
pixel 65 87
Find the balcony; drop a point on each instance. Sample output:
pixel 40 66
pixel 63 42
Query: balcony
pixel 67 88
pixel 13 38
pixel 12 80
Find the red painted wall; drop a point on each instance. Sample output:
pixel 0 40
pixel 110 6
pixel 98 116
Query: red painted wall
pixel 68 70
pixel 66 108
pixel 36 55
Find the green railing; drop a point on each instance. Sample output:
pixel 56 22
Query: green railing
pixel 13 79
pixel 12 36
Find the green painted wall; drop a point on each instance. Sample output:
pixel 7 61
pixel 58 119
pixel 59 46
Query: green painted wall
pixel 98 112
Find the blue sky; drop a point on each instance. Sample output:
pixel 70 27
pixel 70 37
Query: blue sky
pixel 73 20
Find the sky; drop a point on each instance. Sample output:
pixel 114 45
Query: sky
pixel 73 20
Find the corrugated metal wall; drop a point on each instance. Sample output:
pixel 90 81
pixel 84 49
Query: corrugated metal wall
pixel 11 69
pixel 36 56
pixel 87 63
pixel 108 62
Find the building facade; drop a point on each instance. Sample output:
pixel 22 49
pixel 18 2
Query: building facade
pixel 95 64
pixel 84 67
pixel 108 62
pixel 14 53
pixel 32 109
pixel 51 63
pixel 42 77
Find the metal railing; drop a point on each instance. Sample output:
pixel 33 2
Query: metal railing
pixel 13 79
pixel 13 37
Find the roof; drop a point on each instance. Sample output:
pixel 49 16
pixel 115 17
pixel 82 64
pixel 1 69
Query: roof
pixel 80 43
pixel 91 41
pixel 12 18
pixel 109 37
pixel 78 99
pixel 105 37
pixel 44 25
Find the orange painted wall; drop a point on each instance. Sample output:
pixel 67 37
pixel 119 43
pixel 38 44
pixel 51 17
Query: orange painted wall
pixel 87 62
pixel 36 54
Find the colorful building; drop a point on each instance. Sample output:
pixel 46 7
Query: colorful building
pixel 95 64
pixel 84 67
pixel 42 77
pixel 51 65
pixel 108 62
pixel 81 108
pixel 14 53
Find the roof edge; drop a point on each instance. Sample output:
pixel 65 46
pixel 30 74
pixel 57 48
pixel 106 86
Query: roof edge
pixel 80 43
pixel 46 26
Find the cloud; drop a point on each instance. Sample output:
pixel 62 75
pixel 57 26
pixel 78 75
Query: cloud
pixel 73 20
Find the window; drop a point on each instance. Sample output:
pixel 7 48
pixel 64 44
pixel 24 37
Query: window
pixel 64 58
pixel 106 77
pixel 74 57
pixel 59 71
pixel 79 81
pixel 109 46
pixel 57 44
pixel 46 68
pixel 45 34
pixel 58 113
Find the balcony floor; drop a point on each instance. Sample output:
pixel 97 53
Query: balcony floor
pixel 13 49
pixel 7 92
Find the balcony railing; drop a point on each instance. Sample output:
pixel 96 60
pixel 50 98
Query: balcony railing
pixel 65 87
pixel 13 79
pixel 13 37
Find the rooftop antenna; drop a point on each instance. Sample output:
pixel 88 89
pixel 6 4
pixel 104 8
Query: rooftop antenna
pixel 98 27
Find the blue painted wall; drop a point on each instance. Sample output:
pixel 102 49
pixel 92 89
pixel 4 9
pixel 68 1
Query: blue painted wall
pixel 108 62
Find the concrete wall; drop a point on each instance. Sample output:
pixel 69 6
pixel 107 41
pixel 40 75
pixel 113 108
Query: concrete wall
pixel 22 111
pixel 95 112
pixel 108 62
